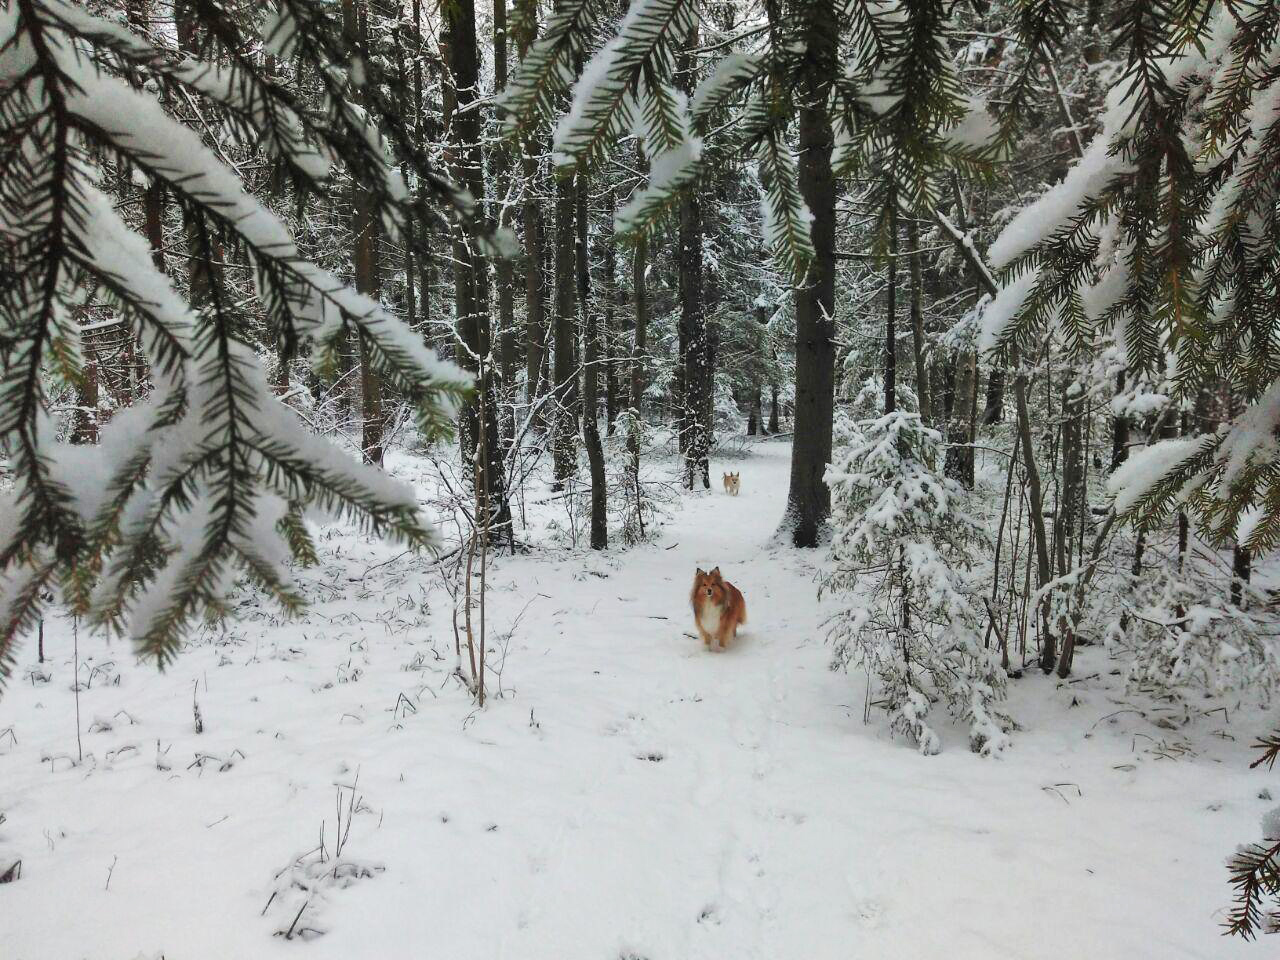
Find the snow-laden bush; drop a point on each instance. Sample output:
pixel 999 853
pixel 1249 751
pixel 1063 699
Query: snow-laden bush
pixel 900 556
pixel 1179 633
pixel 868 399
pixel 638 505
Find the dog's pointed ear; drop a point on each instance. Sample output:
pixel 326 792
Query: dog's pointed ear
pixel 716 573
pixel 701 572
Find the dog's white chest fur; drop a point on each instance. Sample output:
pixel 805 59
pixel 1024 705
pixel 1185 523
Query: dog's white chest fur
pixel 709 618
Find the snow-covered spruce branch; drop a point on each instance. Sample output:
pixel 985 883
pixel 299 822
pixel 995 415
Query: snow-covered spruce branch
pixel 546 72
pixel 624 86
pixel 1162 234
pixel 207 475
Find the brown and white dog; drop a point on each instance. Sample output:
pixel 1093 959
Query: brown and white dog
pixel 718 608
pixel 732 483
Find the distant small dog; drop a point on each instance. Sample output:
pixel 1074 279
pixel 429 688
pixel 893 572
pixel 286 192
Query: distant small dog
pixel 732 483
pixel 718 608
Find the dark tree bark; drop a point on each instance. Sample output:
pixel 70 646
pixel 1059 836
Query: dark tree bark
pixel 503 268
pixel 409 109
pixel 993 409
pixel 809 499
pixel 963 405
pixel 535 288
pixel 891 314
pixel 608 336
pixel 591 379
pixel 423 264
pixel 696 356
pixel 204 253
pixel 85 429
pixel 918 345
pixel 640 291
pixel 365 230
pixel 1071 509
pixel 1035 506
pixel 959 458
pixel 564 446
pixel 1241 570
pixel 480 435
pixel 1119 431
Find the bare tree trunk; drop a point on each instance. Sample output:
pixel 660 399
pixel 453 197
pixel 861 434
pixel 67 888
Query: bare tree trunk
pixel 471 286
pixel 962 409
pixel 408 109
pixel 204 257
pixel 959 458
pixel 696 359
pixel 1071 510
pixel 564 447
pixel 809 499
pixel 503 268
pixel 640 290
pixel 608 337
pixel 891 313
pixel 918 345
pixel 153 213
pixel 1119 431
pixel 368 274
pixel 85 428
pixel 1049 654
pixel 591 380
pixel 535 294
pixel 1241 570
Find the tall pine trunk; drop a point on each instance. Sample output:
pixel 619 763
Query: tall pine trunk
pixel 1035 506
pixel 918 345
pixel 809 499
pixel 891 313
pixel 696 377
pixel 640 293
pixel 481 442
pixel 591 378
pixel 365 255
pixel 608 334
pixel 503 268
pixel 696 359
pixel 564 445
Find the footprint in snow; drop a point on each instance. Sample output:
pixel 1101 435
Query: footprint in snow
pixel 869 913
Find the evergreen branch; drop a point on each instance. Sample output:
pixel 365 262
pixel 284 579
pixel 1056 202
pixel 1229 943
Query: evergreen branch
pixel 629 76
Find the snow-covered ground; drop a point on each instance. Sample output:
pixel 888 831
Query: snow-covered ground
pixel 629 795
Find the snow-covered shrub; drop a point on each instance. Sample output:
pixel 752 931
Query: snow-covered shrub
pixel 1183 634
pixel 868 400
pixel 900 556
pixel 637 503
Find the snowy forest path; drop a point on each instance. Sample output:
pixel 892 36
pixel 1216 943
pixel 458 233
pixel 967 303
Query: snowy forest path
pixel 625 794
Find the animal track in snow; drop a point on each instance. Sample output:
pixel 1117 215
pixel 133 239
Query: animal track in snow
pixel 710 914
